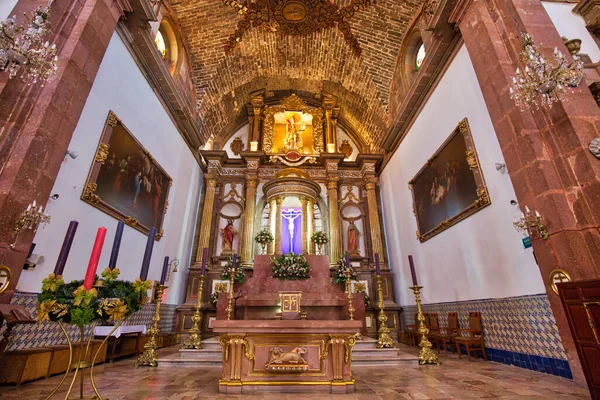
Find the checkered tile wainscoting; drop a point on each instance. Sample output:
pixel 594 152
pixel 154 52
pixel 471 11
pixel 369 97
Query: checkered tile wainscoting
pixel 519 331
pixel 49 334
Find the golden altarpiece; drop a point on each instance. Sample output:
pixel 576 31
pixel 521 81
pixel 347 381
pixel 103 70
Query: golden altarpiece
pixel 295 162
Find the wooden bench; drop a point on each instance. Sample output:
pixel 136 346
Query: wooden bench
pixel 25 365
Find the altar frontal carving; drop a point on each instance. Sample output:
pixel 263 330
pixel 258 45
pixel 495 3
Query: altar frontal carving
pixel 291 361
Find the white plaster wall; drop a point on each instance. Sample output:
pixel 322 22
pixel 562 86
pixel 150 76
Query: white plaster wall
pixel 6 7
pixel 480 257
pixel 242 133
pixel 121 87
pixel 572 26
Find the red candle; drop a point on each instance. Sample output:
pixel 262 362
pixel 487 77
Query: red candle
pixel 94 259
pixel 412 270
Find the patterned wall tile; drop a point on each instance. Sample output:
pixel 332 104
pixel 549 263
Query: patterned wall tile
pixel 523 324
pixel 50 334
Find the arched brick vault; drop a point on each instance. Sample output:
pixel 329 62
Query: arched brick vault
pixel 319 62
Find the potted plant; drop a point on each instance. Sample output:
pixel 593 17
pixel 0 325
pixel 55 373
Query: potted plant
pixel 264 237
pixel 319 239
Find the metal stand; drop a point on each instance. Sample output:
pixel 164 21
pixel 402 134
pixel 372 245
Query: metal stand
pixel 384 340
pixel 426 356
pixel 149 356
pixel 229 308
pixel 194 340
pixel 350 296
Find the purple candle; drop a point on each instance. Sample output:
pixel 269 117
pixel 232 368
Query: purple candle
pixel 234 261
pixel 204 257
pixel 377 269
pixel 114 254
pixel 163 277
pixel 66 248
pixel 347 260
pixel 412 270
pixel 148 254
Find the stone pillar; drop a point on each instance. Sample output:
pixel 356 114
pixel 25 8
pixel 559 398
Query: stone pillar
pixel 278 209
pixel 331 112
pixel 335 237
pixel 254 109
pixel 207 214
pixel 374 221
pixel 272 227
pixel 546 152
pixel 304 240
pixel 310 224
pixel 248 231
pixel 37 123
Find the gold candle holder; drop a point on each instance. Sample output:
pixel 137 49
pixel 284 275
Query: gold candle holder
pixel 426 356
pixel 149 356
pixel 383 340
pixel 194 339
pixel 229 308
pixel 351 308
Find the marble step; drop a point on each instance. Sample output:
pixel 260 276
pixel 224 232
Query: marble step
pixel 365 353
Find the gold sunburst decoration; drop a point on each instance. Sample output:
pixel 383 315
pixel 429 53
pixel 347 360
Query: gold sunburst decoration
pixel 295 17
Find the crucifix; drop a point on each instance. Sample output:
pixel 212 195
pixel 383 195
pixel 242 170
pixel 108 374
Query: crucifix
pixel 290 215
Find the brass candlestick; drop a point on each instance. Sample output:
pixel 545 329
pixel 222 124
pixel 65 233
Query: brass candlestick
pixel 426 356
pixel 194 339
pixel 350 296
pixel 149 356
pixel 229 308
pixel 384 339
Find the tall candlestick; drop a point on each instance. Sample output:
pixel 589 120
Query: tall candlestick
pixel 114 254
pixel 66 248
pixel 204 258
pixel 377 269
pixel 412 270
pixel 148 254
pixel 164 271
pixel 90 274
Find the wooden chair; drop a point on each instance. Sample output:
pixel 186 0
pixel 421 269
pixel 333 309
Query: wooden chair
pixel 410 331
pixel 472 338
pixel 434 326
pixel 446 334
pixel 415 336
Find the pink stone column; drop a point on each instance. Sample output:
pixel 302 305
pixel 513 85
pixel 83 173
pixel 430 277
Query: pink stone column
pixel 546 152
pixel 36 124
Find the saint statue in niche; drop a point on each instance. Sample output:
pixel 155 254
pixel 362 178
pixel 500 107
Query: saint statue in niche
pixel 228 233
pixel 353 234
pixel 293 133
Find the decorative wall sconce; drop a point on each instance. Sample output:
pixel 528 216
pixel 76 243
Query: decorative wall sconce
pixel 31 219
pixel 531 223
pixel 501 167
pixel 26 48
pixel 172 268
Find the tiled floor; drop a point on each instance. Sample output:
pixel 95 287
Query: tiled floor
pixel 453 379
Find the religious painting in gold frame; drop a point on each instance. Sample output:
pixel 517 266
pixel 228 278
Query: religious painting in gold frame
pixel 450 187
pixel 125 181
pixel 292 126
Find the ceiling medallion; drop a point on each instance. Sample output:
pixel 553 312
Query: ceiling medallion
pixel 295 17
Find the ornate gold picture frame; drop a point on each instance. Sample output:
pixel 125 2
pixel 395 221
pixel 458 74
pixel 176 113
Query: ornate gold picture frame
pixel 450 187
pixel 125 181
pixel 292 104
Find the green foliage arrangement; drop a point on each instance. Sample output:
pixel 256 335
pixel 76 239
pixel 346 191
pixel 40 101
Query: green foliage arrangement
pixel 239 271
pixel 73 304
pixel 340 272
pixel 290 267
pixel 319 238
pixel 264 236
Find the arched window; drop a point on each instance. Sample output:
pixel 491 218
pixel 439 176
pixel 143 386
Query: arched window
pixel 166 43
pixel 420 56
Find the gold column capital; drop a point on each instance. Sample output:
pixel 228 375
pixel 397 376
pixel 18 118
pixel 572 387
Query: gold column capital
pixel 251 180
pixel 279 200
pixel 332 183
pixel 370 183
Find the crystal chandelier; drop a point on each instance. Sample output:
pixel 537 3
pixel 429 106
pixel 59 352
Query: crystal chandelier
pixel 542 82
pixel 24 48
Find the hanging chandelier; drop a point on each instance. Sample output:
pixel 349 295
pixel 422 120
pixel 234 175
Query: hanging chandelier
pixel 23 48
pixel 542 82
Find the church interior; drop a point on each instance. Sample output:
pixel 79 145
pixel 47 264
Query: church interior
pixel 228 199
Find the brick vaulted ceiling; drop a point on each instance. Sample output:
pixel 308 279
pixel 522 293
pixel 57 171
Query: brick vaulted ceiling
pixel 321 61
